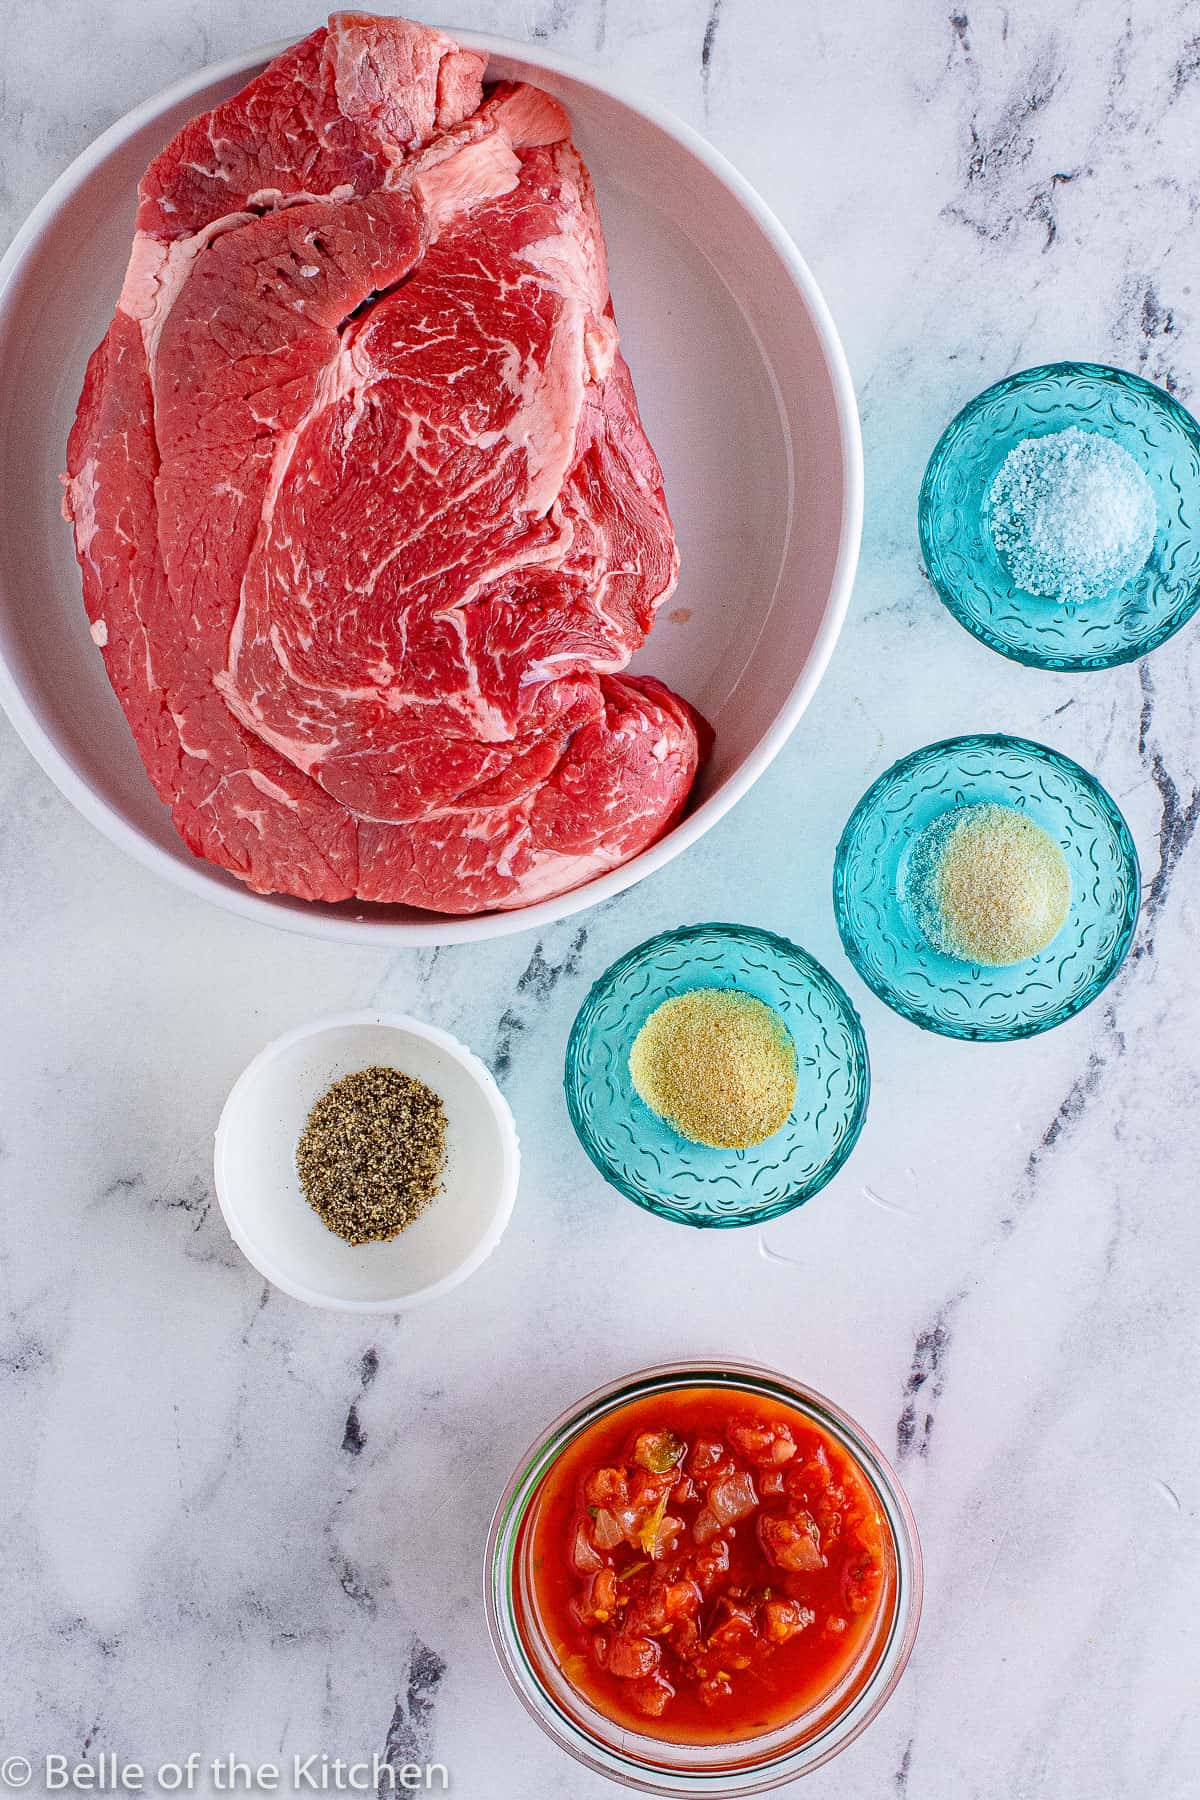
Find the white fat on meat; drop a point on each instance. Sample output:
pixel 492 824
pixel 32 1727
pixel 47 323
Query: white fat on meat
pixel 550 396
pixel 483 170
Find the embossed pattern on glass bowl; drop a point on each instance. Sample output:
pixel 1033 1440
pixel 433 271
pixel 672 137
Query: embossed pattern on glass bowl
pixel 640 1154
pixel 965 1000
pixel 970 575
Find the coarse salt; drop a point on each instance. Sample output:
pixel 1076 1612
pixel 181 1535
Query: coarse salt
pixel 1072 515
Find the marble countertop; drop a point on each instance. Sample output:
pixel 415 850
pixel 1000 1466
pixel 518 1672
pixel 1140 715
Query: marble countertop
pixel 218 1504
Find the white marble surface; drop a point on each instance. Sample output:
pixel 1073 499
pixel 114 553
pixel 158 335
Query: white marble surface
pixel 234 1524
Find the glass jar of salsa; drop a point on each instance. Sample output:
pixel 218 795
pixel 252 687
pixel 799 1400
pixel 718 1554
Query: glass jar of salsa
pixel 704 1579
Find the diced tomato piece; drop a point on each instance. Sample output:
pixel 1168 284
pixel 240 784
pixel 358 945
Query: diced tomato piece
pixel 796 1509
pixel 631 1657
pixel 682 1600
pixel 789 1543
pixel 684 1492
pixel 662 1604
pixel 771 1483
pixel 606 1487
pixel 732 1498
pixel 651 1695
pixel 765 1444
pixel 646 1489
pixel 733 1637
pixel 716 1687
pixel 706 1454
pixel 860 1582
pixel 817 1472
pixel 709 1564
pixel 598 1601
pixel 782 1619
pixel 645 1616
pixel 830 1521
pixel 705 1526
pixel 731 1608
pixel 796 1482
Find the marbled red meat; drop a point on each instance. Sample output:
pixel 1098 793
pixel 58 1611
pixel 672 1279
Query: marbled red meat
pixel 368 523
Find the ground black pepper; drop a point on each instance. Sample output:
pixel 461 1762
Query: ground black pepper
pixel 371 1156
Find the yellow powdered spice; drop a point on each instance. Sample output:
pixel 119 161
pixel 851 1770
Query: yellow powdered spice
pixel 717 1065
pixel 999 885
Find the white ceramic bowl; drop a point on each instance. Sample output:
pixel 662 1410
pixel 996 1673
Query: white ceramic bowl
pixel 745 393
pixel 259 1190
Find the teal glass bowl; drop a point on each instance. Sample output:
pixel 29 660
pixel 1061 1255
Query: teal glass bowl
pixel 968 572
pixel 966 1000
pixel 639 1154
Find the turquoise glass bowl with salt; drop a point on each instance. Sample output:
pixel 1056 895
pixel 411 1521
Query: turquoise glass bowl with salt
pixel 976 580
pixel 650 1163
pixel 881 928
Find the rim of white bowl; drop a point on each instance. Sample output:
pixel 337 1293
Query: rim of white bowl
pixel 289 914
pixel 508 1178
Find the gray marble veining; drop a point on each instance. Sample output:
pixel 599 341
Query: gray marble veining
pixel 236 1525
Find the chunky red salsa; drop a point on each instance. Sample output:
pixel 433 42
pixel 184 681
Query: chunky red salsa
pixel 708 1564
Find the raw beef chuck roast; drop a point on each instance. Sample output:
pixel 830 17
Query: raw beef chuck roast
pixel 368 523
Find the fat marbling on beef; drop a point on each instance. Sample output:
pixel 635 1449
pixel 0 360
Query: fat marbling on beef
pixel 368 523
